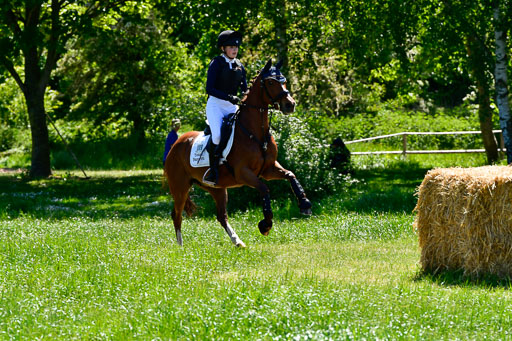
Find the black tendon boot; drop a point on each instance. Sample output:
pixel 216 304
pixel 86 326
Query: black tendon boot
pixel 212 176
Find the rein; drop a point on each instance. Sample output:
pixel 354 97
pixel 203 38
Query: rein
pixel 266 134
pixel 273 104
pixel 262 109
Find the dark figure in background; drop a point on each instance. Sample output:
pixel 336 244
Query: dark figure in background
pixel 340 156
pixel 172 136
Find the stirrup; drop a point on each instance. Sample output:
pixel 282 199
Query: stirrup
pixel 206 181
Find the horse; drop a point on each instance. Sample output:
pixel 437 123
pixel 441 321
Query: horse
pixel 253 156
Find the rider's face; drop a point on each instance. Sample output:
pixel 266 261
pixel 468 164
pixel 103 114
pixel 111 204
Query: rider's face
pixel 231 51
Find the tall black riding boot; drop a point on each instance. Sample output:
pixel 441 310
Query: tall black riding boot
pixel 213 175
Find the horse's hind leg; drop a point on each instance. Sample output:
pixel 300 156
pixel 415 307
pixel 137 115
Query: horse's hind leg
pixel 176 219
pixel 179 191
pixel 220 195
pixel 176 214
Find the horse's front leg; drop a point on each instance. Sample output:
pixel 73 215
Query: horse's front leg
pixel 277 172
pixel 247 177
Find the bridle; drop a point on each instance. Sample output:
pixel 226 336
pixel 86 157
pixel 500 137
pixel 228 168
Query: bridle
pixel 278 78
pixel 274 100
pixel 273 104
pixel 267 135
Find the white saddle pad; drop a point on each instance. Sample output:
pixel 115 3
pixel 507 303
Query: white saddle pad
pixel 199 156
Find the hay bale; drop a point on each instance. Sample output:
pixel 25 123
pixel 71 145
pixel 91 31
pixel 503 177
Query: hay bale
pixel 464 220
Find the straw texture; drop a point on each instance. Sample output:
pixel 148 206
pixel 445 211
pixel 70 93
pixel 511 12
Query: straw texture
pixel 464 220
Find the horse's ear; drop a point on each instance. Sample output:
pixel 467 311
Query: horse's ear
pixel 279 64
pixel 267 66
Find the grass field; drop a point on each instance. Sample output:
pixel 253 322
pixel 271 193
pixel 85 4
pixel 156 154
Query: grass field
pixel 97 259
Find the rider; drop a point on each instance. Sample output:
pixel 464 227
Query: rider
pixel 226 76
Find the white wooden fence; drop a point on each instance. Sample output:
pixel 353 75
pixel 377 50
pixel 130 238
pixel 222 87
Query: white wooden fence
pixel 405 151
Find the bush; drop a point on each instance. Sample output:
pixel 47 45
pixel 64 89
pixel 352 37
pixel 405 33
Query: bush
pixel 301 152
pixel 13 115
pixel 308 156
pixel 6 138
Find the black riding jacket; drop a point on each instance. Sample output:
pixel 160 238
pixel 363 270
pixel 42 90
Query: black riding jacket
pixel 223 81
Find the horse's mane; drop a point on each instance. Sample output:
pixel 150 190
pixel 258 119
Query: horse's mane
pixel 251 84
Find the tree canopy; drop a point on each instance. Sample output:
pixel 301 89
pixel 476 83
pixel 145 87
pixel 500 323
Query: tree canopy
pixel 128 67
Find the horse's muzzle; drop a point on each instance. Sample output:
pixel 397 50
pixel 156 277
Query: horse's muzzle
pixel 287 105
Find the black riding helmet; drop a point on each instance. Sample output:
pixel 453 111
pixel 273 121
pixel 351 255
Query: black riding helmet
pixel 229 38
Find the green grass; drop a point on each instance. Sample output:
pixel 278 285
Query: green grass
pixel 97 259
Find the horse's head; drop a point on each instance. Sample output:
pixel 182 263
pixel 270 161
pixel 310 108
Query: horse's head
pixel 274 86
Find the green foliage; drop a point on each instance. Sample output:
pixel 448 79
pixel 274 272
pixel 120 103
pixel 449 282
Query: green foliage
pixel 14 120
pixel 120 76
pixel 13 116
pixel 306 155
pixel 128 69
pixel 394 117
pixel 106 153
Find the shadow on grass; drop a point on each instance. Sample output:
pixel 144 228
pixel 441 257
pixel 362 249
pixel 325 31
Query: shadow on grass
pixel 381 190
pixel 62 197
pixel 111 196
pixel 457 278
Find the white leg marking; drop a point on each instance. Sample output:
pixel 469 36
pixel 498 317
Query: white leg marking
pixel 178 237
pixel 234 237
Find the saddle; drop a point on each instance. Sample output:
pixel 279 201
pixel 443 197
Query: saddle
pixel 199 155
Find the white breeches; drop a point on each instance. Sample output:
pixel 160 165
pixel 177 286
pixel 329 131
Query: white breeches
pixel 216 110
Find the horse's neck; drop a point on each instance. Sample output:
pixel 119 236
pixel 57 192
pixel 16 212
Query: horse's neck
pixel 254 119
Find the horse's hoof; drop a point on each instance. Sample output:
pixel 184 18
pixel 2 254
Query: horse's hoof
pixel 264 227
pixel 305 207
pixel 240 245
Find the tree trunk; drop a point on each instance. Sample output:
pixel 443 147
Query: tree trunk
pixel 485 116
pixel 477 66
pixel 139 127
pixel 34 97
pixel 34 90
pixel 39 61
pixel 40 164
pixel 280 26
pixel 501 80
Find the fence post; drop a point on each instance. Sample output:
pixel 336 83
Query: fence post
pixel 404 145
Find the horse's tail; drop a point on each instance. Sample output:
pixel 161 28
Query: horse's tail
pixel 164 181
pixel 190 207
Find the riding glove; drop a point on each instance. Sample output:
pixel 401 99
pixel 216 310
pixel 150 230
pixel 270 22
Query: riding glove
pixel 233 99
